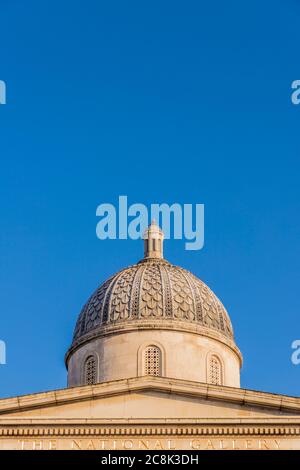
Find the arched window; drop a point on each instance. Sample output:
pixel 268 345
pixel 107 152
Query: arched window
pixel 152 361
pixel 215 371
pixel 90 370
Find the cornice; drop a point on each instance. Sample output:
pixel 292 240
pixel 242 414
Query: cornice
pixel 147 430
pixel 164 325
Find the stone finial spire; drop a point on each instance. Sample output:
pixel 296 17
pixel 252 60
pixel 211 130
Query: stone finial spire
pixel 153 241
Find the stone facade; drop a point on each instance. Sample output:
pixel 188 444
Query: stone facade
pixel 151 413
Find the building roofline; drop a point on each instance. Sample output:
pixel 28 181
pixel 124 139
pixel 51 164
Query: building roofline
pixel 237 396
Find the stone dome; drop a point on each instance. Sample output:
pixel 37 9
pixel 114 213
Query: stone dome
pixel 156 309
pixel 153 290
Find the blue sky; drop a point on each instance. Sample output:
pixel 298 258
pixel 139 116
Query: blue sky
pixel 184 102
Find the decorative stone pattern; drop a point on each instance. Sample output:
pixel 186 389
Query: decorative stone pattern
pixel 90 371
pixel 151 295
pixel 153 289
pixel 152 361
pixel 183 302
pixel 89 317
pixel 119 306
pixel 215 371
pixel 117 429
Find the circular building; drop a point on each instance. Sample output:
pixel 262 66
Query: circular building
pixel 157 319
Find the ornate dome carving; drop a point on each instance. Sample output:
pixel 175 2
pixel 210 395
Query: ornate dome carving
pixel 156 290
pixel 153 291
pixel 153 318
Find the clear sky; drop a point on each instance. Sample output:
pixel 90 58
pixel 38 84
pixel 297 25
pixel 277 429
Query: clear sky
pixel 162 101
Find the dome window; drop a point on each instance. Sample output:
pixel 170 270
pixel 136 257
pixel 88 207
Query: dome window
pixel 90 371
pixel 152 361
pixel 215 371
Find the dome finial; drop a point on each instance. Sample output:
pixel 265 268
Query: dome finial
pixel 153 241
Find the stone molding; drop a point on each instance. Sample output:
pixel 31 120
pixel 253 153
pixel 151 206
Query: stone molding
pixel 171 325
pixel 137 431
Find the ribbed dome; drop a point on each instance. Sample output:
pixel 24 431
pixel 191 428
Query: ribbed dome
pixel 153 318
pixel 153 290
